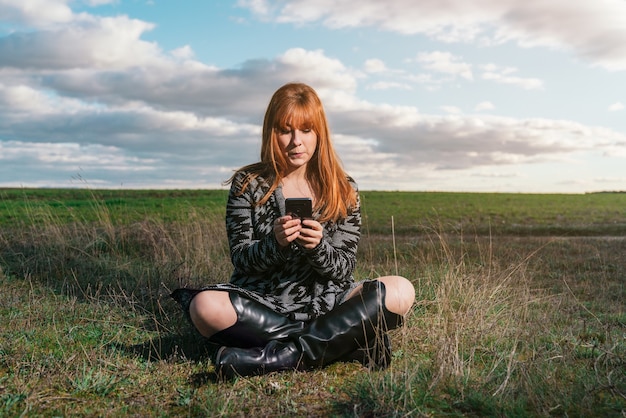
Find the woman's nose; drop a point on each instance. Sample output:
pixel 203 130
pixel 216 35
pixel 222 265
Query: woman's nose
pixel 296 137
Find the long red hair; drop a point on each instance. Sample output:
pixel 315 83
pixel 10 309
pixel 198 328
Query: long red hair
pixel 298 105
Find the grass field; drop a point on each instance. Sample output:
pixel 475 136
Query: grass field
pixel 520 307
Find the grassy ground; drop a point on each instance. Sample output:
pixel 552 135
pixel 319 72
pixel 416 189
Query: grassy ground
pixel 520 308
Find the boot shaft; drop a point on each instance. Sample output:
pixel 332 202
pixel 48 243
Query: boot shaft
pixel 256 325
pixel 355 324
pixel 350 326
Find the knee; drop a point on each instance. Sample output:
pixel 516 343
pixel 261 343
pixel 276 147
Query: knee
pixel 211 311
pixel 399 295
pixel 198 306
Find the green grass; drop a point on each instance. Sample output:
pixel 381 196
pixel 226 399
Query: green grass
pixel 122 206
pixel 528 214
pixel 498 213
pixel 520 308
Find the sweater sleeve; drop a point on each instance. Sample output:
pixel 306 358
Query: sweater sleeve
pixel 335 256
pixel 253 248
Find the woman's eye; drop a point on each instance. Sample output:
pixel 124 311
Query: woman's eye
pixel 285 131
pixel 306 131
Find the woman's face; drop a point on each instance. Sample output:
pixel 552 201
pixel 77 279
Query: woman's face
pixel 297 145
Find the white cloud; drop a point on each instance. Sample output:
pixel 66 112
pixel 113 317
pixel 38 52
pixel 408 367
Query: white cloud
pixel 23 102
pixel 191 86
pixel 497 174
pixel 388 85
pixel 35 12
pixel 594 30
pixel 70 157
pixel 615 107
pixel 502 75
pixel 484 106
pixel 525 83
pixel 114 103
pixel 106 43
pixel 183 53
pixel 375 66
pixel 461 142
pixel 619 181
pixel 445 62
pixel 193 117
pixel 452 110
pixel 259 7
pixel 101 2
pixel 318 69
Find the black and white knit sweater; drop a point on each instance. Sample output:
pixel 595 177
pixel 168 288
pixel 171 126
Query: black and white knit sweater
pixel 295 281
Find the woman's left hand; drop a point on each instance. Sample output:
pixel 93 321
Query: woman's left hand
pixel 311 234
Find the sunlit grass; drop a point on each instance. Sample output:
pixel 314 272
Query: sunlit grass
pixel 503 325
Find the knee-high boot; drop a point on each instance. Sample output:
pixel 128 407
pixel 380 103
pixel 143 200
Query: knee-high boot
pixel 256 324
pixel 348 327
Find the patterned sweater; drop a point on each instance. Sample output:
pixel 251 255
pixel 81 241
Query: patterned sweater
pixel 293 280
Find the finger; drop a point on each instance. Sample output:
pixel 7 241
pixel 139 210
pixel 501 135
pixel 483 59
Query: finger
pixel 312 224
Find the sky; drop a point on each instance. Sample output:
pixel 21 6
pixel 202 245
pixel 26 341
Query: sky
pixel 421 95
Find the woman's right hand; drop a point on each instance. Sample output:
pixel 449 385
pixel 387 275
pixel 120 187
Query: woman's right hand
pixel 287 230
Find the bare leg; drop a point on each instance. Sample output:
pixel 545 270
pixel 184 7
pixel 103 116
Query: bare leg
pixel 211 311
pixel 400 294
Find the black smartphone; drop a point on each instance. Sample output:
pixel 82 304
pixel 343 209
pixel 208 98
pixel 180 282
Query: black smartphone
pixel 299 207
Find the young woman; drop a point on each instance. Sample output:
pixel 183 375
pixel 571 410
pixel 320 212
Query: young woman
pixel 292 302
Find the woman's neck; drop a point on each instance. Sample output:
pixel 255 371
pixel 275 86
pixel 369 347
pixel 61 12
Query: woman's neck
pixel 295 184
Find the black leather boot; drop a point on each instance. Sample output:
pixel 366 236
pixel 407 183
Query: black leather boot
pixel 256 324
pixel 328 338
